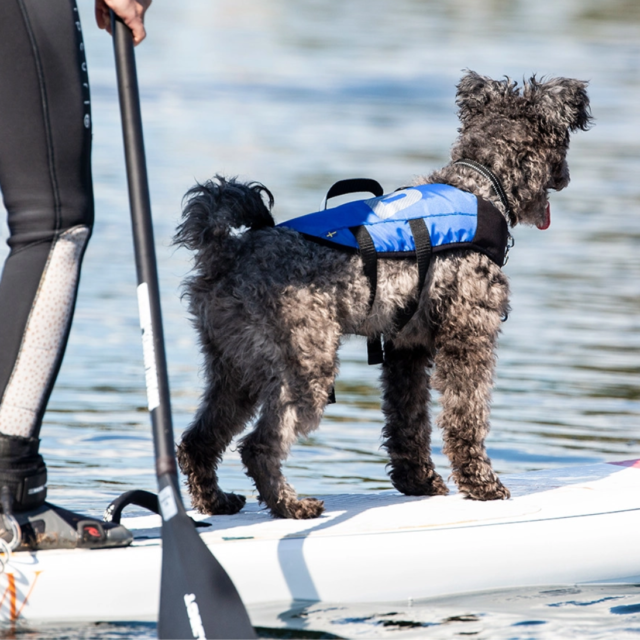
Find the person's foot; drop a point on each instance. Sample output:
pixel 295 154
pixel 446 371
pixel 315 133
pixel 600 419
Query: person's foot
pixel 51 527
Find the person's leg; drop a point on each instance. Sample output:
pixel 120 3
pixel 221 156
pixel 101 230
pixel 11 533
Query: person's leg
pixel 45 179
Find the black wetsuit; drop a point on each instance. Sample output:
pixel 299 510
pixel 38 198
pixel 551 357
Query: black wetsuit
pixel 45 179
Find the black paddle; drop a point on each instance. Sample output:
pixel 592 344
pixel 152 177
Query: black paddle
pixel 197 597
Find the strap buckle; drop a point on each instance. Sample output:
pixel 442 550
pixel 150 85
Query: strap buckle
pixel 511 241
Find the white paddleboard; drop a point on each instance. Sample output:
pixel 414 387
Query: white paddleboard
pixel 561 527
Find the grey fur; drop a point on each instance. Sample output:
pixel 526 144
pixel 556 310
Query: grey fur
pixel 270 309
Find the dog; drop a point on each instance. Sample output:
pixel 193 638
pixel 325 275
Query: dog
pixel 270 306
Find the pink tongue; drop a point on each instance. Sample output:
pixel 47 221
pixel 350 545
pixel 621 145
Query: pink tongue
pixel 547 219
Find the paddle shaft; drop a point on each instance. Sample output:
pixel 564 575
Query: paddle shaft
pixel 146 267
pixel 197 597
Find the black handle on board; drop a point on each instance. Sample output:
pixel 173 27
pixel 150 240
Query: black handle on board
pixel 197 597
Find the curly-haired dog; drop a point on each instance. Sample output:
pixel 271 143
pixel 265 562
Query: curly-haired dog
pixel 271 307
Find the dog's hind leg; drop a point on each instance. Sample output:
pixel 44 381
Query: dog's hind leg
pixel 263 451
pixel 293 407
pixel 225 409
pixel 407 431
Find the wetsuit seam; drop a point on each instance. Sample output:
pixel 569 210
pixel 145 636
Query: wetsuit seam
pixel 45 117
pixel 31 245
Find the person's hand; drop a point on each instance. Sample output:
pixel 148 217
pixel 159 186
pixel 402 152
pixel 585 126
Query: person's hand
pixel 131 12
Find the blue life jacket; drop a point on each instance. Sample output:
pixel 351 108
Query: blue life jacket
pixel 454 219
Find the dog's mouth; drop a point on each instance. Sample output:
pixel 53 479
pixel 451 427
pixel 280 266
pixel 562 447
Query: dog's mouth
pixel 547 219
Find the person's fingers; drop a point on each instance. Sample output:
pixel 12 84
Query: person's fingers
pixel 103 15
pixel 144 5
pixel 131 12
pixel 134 18
pixel 138 30
pixel 99 10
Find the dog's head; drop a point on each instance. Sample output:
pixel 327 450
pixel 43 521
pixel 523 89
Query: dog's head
pixel 522 135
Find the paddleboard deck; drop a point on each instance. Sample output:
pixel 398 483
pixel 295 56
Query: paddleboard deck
pixel 561 527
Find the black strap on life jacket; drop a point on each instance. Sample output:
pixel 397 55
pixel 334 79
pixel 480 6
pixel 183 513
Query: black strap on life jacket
pixel 375 352
pixel 369 257
pixel 367 248
pixel 423 258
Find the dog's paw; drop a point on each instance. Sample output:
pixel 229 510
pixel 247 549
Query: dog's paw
pixel 219 503
pixel 232 503
pixel 492 491
pixel 434 487
pixel 424 483
pixel 299 509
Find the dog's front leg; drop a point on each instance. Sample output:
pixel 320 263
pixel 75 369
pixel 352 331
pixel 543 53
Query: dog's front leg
pixel 465 363
pixel 407 431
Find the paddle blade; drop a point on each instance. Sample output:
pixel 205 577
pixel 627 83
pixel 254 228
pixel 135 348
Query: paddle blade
pixel 197 597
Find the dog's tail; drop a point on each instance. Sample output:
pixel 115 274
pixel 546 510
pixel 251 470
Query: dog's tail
pixel 216 208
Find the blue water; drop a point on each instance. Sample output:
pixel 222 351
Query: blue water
pixel 298 95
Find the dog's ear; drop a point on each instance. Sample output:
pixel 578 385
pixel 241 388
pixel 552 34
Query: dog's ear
pixel 561 102
pixel 476 92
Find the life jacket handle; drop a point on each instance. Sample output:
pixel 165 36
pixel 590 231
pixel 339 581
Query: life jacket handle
pixel 353 185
